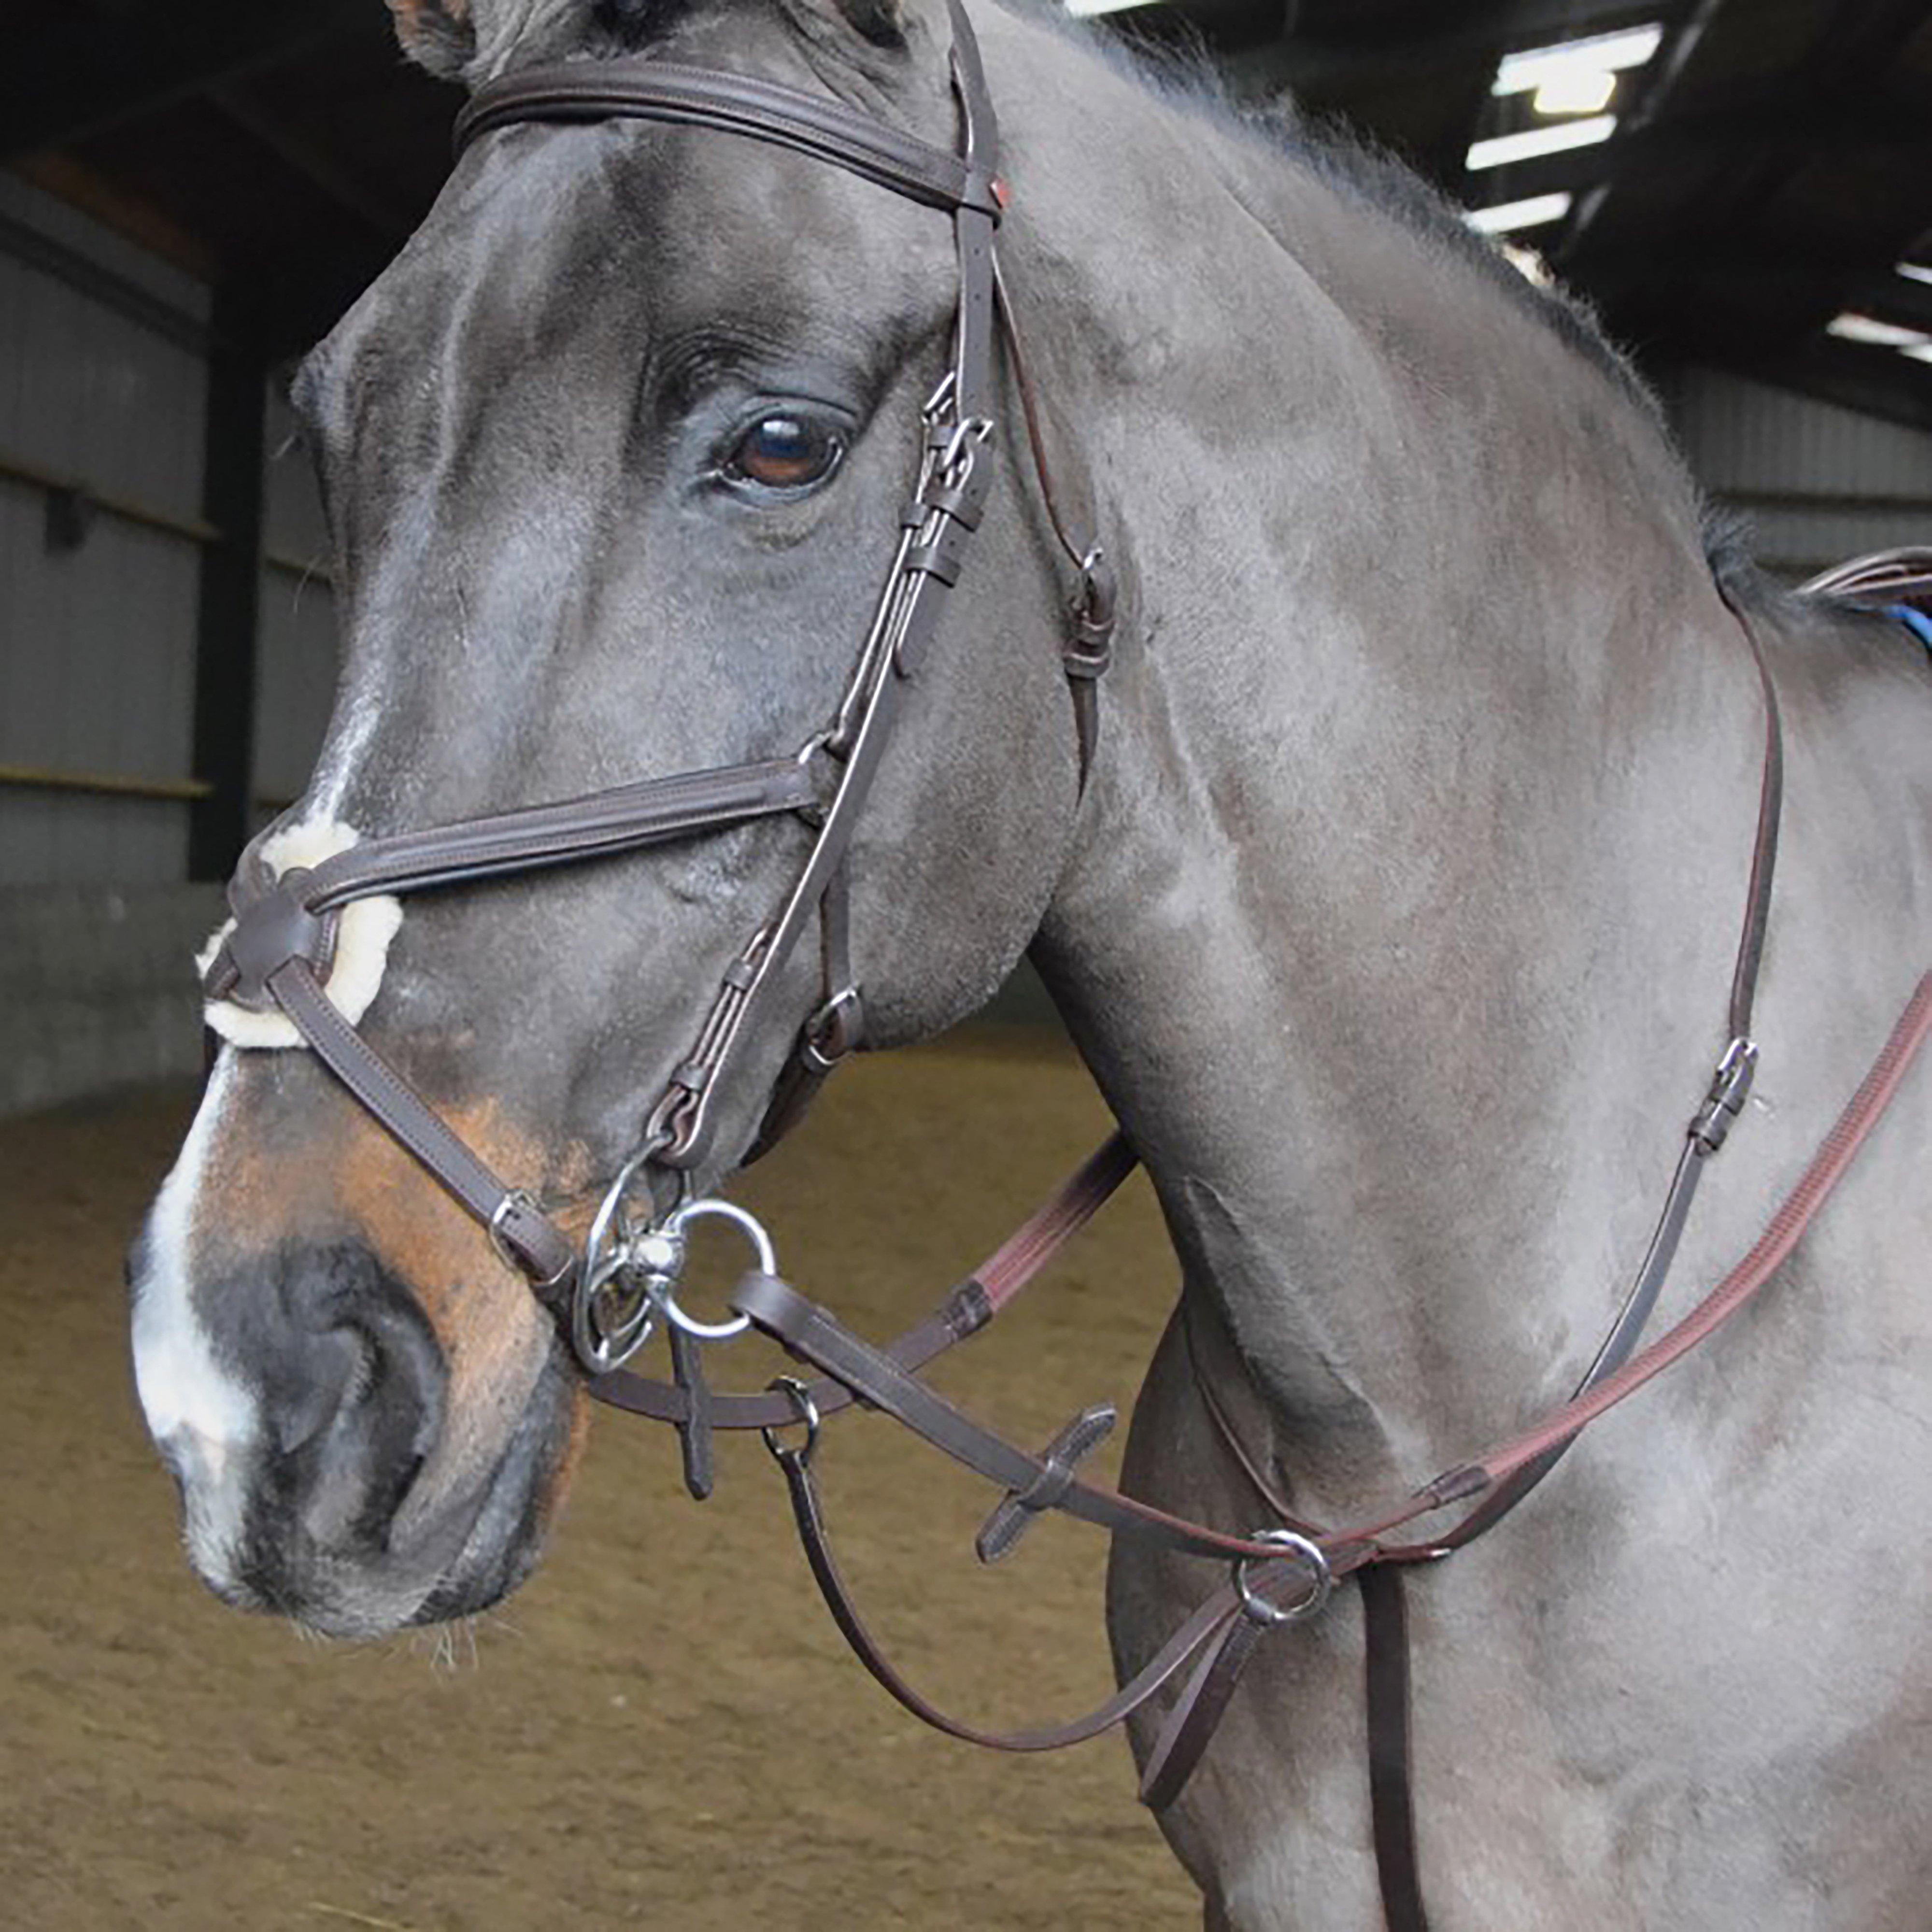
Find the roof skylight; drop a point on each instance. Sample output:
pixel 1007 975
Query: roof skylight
pixel 1499 150
pixel 1852 327
pixel 1505 217
pixel 1559 66
pixel 1873 333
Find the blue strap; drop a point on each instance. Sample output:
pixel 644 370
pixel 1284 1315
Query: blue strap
pixel 1917 622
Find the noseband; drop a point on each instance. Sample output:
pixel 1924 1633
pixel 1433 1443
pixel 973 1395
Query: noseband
pixel 279 953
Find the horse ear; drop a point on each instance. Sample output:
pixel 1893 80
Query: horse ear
pixel 438 34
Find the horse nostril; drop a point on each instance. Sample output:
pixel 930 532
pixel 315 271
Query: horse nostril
pixel 354 1384
pixel 332 1365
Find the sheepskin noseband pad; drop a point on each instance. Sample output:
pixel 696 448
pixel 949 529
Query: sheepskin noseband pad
pixel 353 941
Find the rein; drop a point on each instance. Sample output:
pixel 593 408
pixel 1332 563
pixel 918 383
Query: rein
pixel 609 1297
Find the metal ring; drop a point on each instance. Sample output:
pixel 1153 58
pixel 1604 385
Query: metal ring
pixel 807 1413
pixel 517 1197
pixel 1258 1609
pixel 674 1224
pixel 599 1352
pixel 612 1206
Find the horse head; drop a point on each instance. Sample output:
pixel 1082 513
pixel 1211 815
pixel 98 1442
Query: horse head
pixel 615 455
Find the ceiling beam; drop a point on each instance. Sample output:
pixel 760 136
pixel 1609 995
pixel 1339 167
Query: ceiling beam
pixel 1849 69
pixel 75 68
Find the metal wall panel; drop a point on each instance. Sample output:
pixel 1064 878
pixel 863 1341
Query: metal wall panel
pixel 1816 483
pixel 297 662
pixel 97 643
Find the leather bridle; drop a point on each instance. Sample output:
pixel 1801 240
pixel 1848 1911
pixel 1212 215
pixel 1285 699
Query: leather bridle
pixel 278 956
pixel 279 953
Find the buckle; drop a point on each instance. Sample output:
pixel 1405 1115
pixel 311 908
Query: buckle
pixel 833 1034
pixel 1730 1085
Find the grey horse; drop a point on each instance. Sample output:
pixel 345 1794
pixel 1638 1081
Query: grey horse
pixel 1394 921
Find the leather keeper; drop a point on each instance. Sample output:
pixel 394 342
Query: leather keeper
pixel 269 931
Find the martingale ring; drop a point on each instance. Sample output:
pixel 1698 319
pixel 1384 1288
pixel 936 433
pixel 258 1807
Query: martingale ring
pixel 1258 1609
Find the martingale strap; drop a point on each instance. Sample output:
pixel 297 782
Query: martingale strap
pixel 1281 1574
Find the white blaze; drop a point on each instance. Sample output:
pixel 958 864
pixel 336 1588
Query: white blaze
pixel 201 1415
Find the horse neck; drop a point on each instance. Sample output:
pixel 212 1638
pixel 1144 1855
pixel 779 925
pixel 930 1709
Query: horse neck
pixel 1399 926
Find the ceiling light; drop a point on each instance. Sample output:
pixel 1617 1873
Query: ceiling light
pixel 1506 217
pixel 1600 53
pixel 1851 327
pixel 1583 90
pixel 1500 149
pixel 1914 271
pixel 1085 10
pixel 1920 352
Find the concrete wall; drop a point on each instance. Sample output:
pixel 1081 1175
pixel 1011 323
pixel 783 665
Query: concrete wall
pixel 1816 483
pixel 296 665
pixel 96 987
pixel 98 649
pixel 97 640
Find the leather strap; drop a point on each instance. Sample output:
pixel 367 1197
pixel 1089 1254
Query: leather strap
pixel 1222 1633
pixel 1087 652
pixel 282 939
pixel 1391 1774
pixel 991 1287
pixel 1201 1629
pixel 639 87
pixel 1795 1214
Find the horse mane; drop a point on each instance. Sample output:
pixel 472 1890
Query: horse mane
pixel 1181 72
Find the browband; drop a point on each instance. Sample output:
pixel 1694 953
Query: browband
pixel 637 88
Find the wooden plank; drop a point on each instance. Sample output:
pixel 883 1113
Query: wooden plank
pixel 102 784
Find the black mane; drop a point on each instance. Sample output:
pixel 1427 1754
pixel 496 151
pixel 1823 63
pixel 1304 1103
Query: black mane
pixel 1355 165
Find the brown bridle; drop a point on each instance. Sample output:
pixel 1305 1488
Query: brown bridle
pixel 279 954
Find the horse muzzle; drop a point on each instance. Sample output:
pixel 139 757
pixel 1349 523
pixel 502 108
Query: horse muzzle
pixel 310 1432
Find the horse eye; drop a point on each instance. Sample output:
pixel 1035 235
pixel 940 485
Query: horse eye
pixel 785 452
